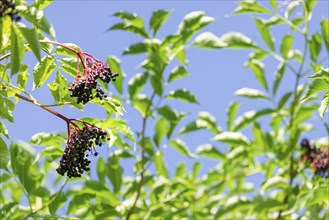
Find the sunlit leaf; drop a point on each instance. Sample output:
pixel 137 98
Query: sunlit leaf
pixel 286 45
pixel 23 76
pixel 37 18
pixel 264 30
pixel 324 104
pixel 315 86
pixel 290 8
pixel 315 46
pixel 43 70
pixel 325 32
pixel 249 117
pixel 159 164
pixel 274 183
pixel 114 64
pixel 6 106
pixel 278 76
pixel 32 38
pixel 208 40
pixel 182 148
pixel 161 129
pixel 183 94
pixel 157 84
pixel 114 172
pixel 3 130
pixel 250 7
pixel 158 18
pixel 234 138
pixel 237 40
pixel 136 84
pixel 258 68
pixel 4 154
pixel 177 73
pixel 142 104
pixel 251 93
pixel 231 113
pixel 209 151
pixel 17 50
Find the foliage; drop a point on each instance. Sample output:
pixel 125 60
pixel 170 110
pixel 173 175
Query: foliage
pixel 263 141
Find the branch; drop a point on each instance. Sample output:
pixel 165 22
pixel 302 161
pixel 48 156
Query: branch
pixel 140 184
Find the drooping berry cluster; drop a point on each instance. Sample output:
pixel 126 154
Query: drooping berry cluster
pixel 85 86
pixel 79 147
pixel 318 158
pixel 7 7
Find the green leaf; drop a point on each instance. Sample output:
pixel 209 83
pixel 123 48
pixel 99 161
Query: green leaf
pixel 36 18
pixel 4 154
pixel 193 126
pixel 278 76
pixel 159 165
pixel 251 93
pixel 79 204
pixel 237 40
pixel 6 106
pixel 264 30
pixel 59 88
pixel 210 122
pixel 231 113
pixel 23 76
pixel 274 183
pixel 182 148
pixel 161 129
pixel 141 47
pixel 69 65
pixel 324 104
pixel 196 169
pixel 250 7
pixel 65 52
pixel 32 37
pixel 41 4
pixel 177 73
pixel 47 139
pixel 208 40
pixel 101 190
pixel 284 99
pixel 258 68
pixel 322 74
pixel 21 157
pixel 274 4
pixel 315 46
pixel 55 204
pixel 209 151
pixel 290 8
pixel 3 130
pixel 184 95
pixel 136 84
pixel 325 32
pixel 43 70
pixel 286 45
pixel 315 86
pixel 233 138
pixel 193 22
pixel 171 115
pixel 114 64
pixel 158 18
pixel 157 84
pixel 249 117
pixel 114 172
pixel 142 104
pixel 131 22
pixel 17 50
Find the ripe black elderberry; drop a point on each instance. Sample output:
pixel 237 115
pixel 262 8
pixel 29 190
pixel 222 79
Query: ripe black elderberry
pixel 85 87
pixel 7 7
pixel 80 145
pixel 318 158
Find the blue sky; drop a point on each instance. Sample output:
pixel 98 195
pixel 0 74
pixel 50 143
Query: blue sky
pixel 215 74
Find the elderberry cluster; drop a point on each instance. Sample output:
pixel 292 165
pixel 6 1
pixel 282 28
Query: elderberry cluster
pixel 318 158
pixel 85 87
pixel 79 146
pixel 7 7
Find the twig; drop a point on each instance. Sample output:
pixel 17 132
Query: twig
pixel 140 184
